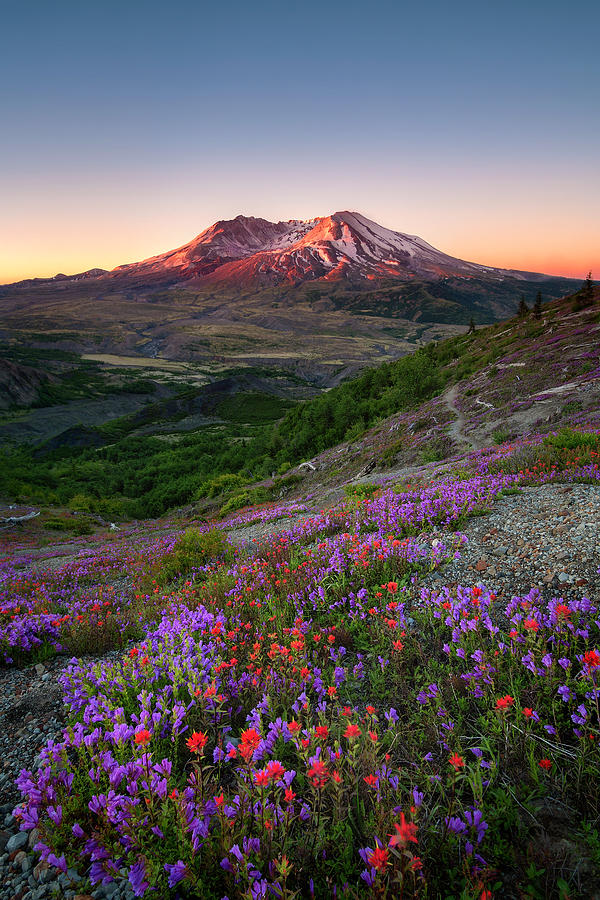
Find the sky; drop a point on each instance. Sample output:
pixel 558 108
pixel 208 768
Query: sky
pixel 126 128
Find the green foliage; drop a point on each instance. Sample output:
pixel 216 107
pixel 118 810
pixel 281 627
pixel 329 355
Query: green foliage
pixel 436 450
pixel 221 484
pixel 253 408
pixel 80 525
pixel 390 453
pixel 500 435
pixel 245 498
pixel 346 411
pixel 585 297
pixel 361 491
pixel 192 550
pixel 81 503
pixel 566 448
pixel 523 308
pixel 571 439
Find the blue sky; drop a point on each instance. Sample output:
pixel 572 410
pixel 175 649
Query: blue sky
pixel 129 127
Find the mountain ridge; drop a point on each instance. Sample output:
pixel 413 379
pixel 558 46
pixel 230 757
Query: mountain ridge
pixel 344 246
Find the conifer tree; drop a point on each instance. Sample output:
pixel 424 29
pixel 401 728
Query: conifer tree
pixel 523 308
pixel 537 306
pixel 585 295
pixel 588 289
pixel 471 326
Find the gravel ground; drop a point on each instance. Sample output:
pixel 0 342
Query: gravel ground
pixel 32 713
pixel 544 538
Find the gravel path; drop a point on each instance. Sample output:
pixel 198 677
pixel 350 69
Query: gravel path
pixel 545 538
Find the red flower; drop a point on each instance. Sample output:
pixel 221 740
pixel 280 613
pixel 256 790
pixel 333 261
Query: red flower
pixel 261 778
pixel 318 774
pixel 456 761
pixel 545 764
pixel 527 712
pixel 405 832
pixel 289 795
pixel 246 751
pixel 392 586
pixel 592 659
pixel 251 737
pixel 371 780
pixel 379 858
pixel 531 625
pixel 293 726
pixel 142 737
pixel 197 742
pixel 352 731
pixel 275 770
pixel 504 702
pixel 322 731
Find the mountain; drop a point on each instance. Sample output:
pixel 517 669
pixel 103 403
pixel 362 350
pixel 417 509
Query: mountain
pixel 320 299
pixel 343 247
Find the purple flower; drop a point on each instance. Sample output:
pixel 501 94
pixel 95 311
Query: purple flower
pixel 455 825
pixel 417 797
pixel 176 872
pixel 137 878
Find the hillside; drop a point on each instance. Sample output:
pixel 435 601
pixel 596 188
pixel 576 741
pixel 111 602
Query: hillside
pixel 383 682
pixel 504 381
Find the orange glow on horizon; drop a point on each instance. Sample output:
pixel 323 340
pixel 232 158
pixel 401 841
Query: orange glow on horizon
pixel 47 266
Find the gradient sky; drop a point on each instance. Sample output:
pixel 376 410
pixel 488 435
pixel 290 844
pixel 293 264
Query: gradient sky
pixel 128 127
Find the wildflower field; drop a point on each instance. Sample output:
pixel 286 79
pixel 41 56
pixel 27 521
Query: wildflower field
pixel 302 718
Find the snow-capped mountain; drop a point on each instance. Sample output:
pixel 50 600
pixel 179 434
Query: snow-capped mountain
pixel 344 246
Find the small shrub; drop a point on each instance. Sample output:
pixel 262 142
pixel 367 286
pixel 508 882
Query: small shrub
pixel 359 492
pixel 436 450
pixel 81 503
pixel 245 498
pixel 193 549
pixel 390 453
pixel 500 435
pixel 569 441
pixel 77 526
pixel 571 406
pixel 284 484
pixel 422 424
